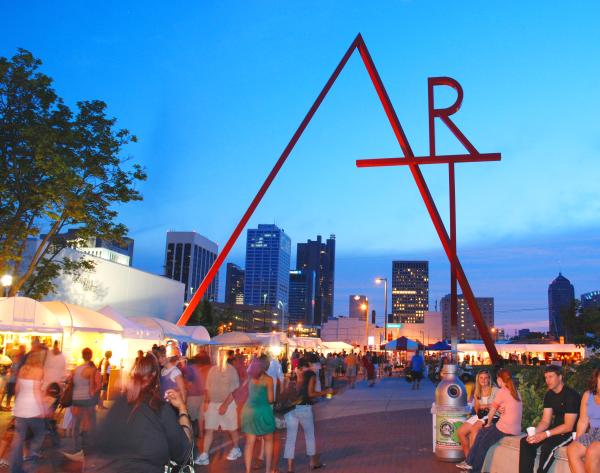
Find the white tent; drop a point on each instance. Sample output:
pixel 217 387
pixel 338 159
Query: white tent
pixel 233 339
pixel 130 328
pixel 166 329
pixel 80 319
pixel 337 346
pixel 198 334
pixel 22 314
pixel 307 343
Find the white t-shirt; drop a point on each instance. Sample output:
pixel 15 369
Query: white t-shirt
pixel 276 373
pixel 55 368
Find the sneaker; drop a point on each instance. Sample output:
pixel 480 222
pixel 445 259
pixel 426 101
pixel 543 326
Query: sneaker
pixel 234 454
pixel 464 466
pixel 202 459
pixel 74 457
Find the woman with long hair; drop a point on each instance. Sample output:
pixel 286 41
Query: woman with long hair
pixel 589 416
pixel 30 409
pixel 142 432
pixel 257 414
pixel 509 401
pixel 302 415
pixel 484 395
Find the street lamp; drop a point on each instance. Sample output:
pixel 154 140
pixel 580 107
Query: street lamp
pixel 495 334
pixel 282 305
pixel 6 282
pixel 265 312
pixel 385 316
pixel 365 306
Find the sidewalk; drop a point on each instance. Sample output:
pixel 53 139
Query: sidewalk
pixel 384 429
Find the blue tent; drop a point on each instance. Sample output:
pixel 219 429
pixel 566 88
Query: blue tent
pixel 439 346
pixel 402 344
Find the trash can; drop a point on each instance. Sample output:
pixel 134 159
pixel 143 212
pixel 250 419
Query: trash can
pixel 450 411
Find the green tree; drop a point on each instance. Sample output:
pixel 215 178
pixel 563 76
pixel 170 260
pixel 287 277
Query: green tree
pixel 58 168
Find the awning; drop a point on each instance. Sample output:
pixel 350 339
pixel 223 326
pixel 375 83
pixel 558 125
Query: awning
pixel 311 343
pixel 80 319
pixel 270 339
pixel 22 314
pixel 198 334
pixel 130 328
pixel 166 329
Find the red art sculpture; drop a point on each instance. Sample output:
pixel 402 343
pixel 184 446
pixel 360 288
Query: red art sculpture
pixel 410 160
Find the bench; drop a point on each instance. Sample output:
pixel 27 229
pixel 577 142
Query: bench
pixel 503 457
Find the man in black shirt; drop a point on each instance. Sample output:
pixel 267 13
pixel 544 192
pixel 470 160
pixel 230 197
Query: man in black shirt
pixel 561 409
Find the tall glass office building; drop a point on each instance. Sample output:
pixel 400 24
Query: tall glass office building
pixel 267 280
pixel 410 291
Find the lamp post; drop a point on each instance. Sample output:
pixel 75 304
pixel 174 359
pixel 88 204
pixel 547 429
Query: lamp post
pixel 385 316
pixel 365 306
pixel 265 312
pixel 6 282
pixel 282 305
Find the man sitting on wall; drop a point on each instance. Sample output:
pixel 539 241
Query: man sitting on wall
pixel 561 408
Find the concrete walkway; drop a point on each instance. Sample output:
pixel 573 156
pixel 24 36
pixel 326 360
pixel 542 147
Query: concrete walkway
pixel 388 395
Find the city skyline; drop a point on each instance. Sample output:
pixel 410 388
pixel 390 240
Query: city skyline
pixel 191 129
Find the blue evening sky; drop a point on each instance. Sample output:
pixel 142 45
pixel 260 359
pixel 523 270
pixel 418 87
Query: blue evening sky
pixel 214 91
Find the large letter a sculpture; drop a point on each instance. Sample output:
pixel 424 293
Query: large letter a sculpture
pixel 409 159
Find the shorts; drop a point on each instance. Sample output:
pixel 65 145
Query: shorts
pixel 351 371
pixel 416 375
pixel 195 407
pixel 213 420
pixel 592 436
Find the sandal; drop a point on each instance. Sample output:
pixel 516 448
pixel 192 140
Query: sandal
pixel 317 466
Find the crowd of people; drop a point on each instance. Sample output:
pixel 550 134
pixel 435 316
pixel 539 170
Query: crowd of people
pixel 567 419
pixel 168 408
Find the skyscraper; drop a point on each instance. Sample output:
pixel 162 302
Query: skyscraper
pixel 267 267
pixel 410 291
pixel 234 285
pixel 188 258
pixel 356 302
pixel 467 330
pixel 319 257
pixel 561 295
pixel 302 297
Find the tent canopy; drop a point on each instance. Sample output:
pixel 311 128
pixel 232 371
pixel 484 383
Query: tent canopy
pixel 402 344
pixel 310 343
pixel 233 339
pixel 439 346
pixel 337 346
pixel 22 314
pixel 198 334
pixel 165 328
pixel 73 317
pixel 130 328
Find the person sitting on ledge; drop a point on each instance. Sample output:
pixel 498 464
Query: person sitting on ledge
pixel 561 408
pixel 509 402
pixel 589 416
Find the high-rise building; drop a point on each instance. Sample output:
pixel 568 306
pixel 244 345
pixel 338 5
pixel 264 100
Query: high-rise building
pixel 319 257
pixel 302 297
pixel 561 295
pixel 467 330
pixel 590 300
pixel 267 267
pixel 410 291
pixel 356 306
pixel 188 258
pixel 234 285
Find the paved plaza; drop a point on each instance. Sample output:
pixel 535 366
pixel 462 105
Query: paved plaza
pixel 386 428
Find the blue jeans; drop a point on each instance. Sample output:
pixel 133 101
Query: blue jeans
pixel 22 424
pixel 486 437
pixel 301 415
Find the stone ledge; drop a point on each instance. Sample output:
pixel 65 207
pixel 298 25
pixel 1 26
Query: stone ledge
pixel 503 457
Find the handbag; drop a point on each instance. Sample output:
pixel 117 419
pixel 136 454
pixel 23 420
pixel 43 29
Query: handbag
pixel 287 401
pixel 66 398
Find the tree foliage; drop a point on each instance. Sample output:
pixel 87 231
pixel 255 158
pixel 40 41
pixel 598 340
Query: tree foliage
pixel 58 167
pixel 582 326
